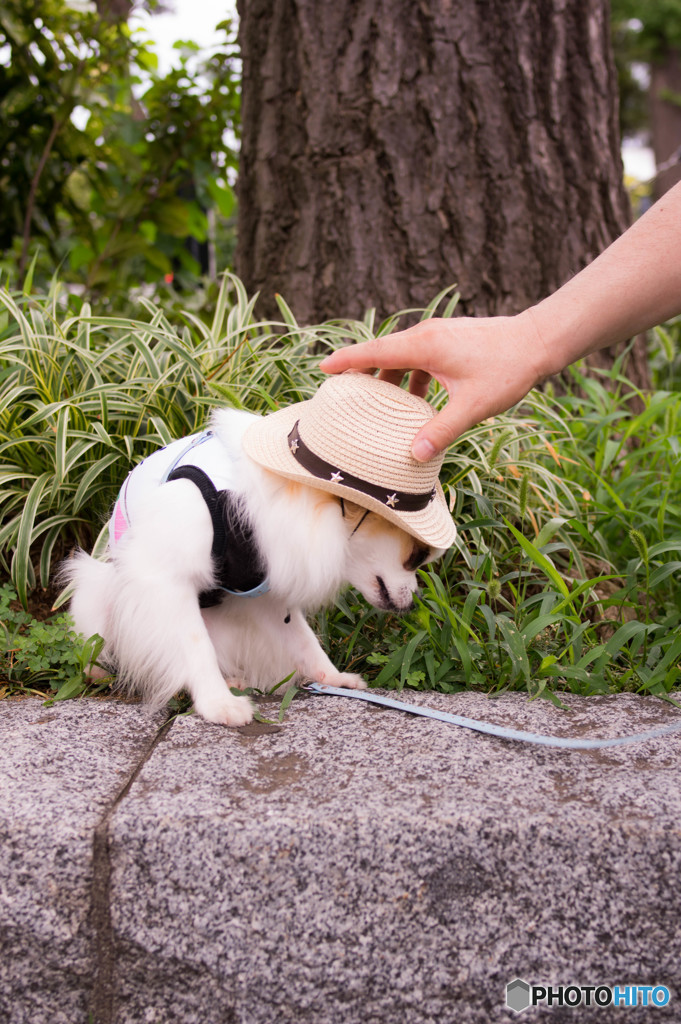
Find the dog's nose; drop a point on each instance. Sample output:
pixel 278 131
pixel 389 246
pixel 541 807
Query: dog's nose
pixel 404 602
pixel 384 594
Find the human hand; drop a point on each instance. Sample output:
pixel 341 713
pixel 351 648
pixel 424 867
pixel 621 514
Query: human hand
pixel 486 365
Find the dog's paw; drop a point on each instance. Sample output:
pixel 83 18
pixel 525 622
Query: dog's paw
pixel 348 680
pixel 225 709
pixel 95 673
pixel 236 684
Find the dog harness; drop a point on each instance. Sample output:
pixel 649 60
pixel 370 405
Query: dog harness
pixel 203 460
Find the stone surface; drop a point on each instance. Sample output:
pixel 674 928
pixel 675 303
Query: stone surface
pixel 362 865
pixel 60 771
pixel 353 865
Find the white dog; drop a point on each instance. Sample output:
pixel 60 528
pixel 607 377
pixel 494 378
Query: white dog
pixel 220 544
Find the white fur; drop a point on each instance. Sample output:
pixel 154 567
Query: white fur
pixel 143 599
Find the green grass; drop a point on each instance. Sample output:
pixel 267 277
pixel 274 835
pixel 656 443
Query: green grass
pixel 566 569
pixel 39 657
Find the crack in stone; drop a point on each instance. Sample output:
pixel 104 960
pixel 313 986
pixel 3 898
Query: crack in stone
pixel 102 1002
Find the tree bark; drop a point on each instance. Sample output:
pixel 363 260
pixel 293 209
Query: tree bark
pixel 393 147
pixel 114 10
pixel 665 117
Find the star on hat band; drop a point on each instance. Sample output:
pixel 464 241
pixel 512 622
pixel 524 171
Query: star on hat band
pixel 407 502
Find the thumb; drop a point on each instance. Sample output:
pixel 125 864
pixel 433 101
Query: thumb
pixel 438 433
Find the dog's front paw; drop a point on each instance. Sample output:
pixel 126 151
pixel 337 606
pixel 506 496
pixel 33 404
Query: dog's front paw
pixel 95 673
pixel 225 709
pixel 349 680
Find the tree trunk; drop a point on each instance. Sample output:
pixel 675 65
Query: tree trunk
pixel 114 10
pixel 665 117
pixel 393 147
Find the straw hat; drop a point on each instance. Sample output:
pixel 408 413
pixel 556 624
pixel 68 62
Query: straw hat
pixel 353 438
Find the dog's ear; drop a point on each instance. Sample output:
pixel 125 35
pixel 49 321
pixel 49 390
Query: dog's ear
pixel 352 512
pixel 419 555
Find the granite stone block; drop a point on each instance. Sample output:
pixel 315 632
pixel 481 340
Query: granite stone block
pixel 61 769
pixel 361 865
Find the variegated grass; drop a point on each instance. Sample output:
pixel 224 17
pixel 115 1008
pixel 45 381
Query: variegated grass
pixel 565 571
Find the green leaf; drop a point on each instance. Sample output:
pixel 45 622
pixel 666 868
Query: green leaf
pixel 149 230
pixel 94 471
pixel 172 217
pixel 663 572
pixel 81 255
pixel 286 312
pixel 286 701
pixel 21 563
pixel 409 652
pixel 515 647
pixel 623 635
pixel 390 669
pixel 73 687
pixel 17 100
pixel 223 196
pixel 147 59
pixel 258 717
pixel 531 628
pixel 539 559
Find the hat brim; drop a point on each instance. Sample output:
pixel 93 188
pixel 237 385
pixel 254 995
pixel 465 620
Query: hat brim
pixel 266 442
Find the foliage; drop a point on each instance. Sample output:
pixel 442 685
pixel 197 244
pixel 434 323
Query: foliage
pixel 642 33
pixel 666 355
pixel 81 397
pixel 656 26
pixel 589 601
pixel 565 571
pixel 108 170
pixel 42 654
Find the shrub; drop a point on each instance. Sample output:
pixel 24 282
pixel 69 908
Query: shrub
pixel 564 571
pixel 43 654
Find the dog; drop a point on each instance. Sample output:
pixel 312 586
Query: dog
pixel 175 613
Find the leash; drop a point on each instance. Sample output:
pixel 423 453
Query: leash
pixel 494 730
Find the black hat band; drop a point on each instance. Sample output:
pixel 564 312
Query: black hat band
pixel 401 501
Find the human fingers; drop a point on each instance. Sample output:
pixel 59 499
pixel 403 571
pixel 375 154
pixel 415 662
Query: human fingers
pixel 392 376
pixel 419 380
pixel 402 351
pixel 461 412
pixel 419 383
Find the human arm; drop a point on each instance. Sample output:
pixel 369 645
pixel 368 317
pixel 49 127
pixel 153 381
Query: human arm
pixel 488 364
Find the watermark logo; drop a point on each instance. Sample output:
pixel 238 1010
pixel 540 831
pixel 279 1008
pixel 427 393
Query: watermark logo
pixel 520 995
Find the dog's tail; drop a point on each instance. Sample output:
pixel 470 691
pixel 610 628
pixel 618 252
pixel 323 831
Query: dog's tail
pixel 92 583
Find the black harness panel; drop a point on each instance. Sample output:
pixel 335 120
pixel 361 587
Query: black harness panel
pixel 237 561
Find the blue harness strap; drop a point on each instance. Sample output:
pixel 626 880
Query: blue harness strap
pixel 192 443
pixel 495 730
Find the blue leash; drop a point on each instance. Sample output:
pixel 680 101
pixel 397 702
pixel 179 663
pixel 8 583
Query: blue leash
pixel 494 730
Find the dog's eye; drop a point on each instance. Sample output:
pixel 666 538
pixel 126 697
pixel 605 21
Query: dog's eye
pixel 419 556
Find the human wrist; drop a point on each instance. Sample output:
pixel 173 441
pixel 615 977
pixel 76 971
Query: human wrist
pixel 538 343
pixel 564 332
